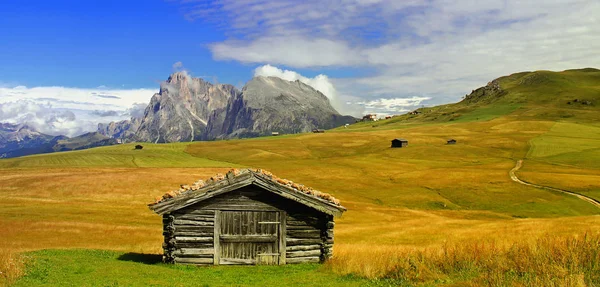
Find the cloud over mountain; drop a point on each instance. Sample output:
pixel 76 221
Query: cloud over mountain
pixel 69 111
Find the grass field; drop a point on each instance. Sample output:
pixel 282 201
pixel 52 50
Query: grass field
pixel 152 155
pixel 416 216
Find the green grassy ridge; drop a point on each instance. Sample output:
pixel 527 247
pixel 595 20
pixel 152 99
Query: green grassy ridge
pixel 521 92
pixel 125 155
pixel 111 268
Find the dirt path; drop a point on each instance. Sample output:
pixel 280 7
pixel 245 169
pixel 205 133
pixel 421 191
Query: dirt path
pixel 514 177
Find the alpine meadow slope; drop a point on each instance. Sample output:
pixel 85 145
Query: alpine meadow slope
pixel 429 214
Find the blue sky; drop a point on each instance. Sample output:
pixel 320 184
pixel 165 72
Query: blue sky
pixel 57 57
pixel 112 43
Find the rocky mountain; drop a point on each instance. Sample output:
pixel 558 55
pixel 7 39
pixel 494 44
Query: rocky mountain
pixel 271 104
pixel 188 109
pixel 180 111
pixel 18 140
pixel 21 140
pixel 123 130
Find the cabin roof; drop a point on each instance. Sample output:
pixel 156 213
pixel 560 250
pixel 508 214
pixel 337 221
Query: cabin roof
pixel 234 179
pixel 401 140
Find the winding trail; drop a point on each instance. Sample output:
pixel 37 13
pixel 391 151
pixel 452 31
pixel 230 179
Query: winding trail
pixel 514 177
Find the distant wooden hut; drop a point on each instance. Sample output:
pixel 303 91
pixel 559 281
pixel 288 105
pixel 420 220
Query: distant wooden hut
pixel 318 131
pixel 369 118
pixel 247 217
pixel 139 147
pixel 399 143
pixel 451 141
pixel 275 133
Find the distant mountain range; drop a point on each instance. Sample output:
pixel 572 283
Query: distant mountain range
pixel 20 140
pixel 191 109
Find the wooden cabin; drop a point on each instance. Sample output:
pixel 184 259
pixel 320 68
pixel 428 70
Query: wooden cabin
pixel 369 118
pixel 274 133
pixel 451 141
pixel 247 217
pixel 399 143
pixel 318 131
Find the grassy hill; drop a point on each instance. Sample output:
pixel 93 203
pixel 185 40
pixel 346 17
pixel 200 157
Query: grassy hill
pixel 422 198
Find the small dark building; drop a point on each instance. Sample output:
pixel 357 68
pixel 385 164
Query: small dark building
pixel 275 133
pixel 318 131
pixel 247 217
pixel 451 141
pixel 139 147
pixel 399 143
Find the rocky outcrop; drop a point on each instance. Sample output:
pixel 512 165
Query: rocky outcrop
pixel 181 110
pixel 123 130
pixel 488 93
pixel 271 104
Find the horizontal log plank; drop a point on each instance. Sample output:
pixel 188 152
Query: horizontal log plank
pixel 294 242
pixel 194 239
pixel 194 251
pixel 193 233
pixel 303 247
pixel 308 253
pixel 236 261
pixel 248 238
pixel 192 222
pixel 298 222
pixel 297 260
pixel 301 227
pixel 193 245
pixel 304 233
pixel 196 217
pixel 192 228
pixel 192 260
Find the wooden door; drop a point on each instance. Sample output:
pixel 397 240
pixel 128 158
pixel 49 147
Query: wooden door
pixel 248 237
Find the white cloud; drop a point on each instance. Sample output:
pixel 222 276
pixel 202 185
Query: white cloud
pixel 69 111
pixel 290 51
pixel 320 82
pixel 428 48
pixel 392 106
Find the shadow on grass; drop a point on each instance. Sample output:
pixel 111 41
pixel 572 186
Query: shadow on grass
pixel 141 258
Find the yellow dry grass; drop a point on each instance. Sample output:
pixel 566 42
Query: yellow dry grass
pixel 542 261
pixel 11 266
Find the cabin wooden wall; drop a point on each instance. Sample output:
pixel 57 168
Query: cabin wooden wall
pixel 189 233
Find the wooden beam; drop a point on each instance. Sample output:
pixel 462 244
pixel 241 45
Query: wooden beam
pixel 314 259
pixel 193 239
pixel 195 251
pixel 192 222
pixel 303 247
pixel 248 238
pixel 194 260
pixel 216 236
pixel 307 253
pixel 282 237
pixel 237 261
pixel 294 242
